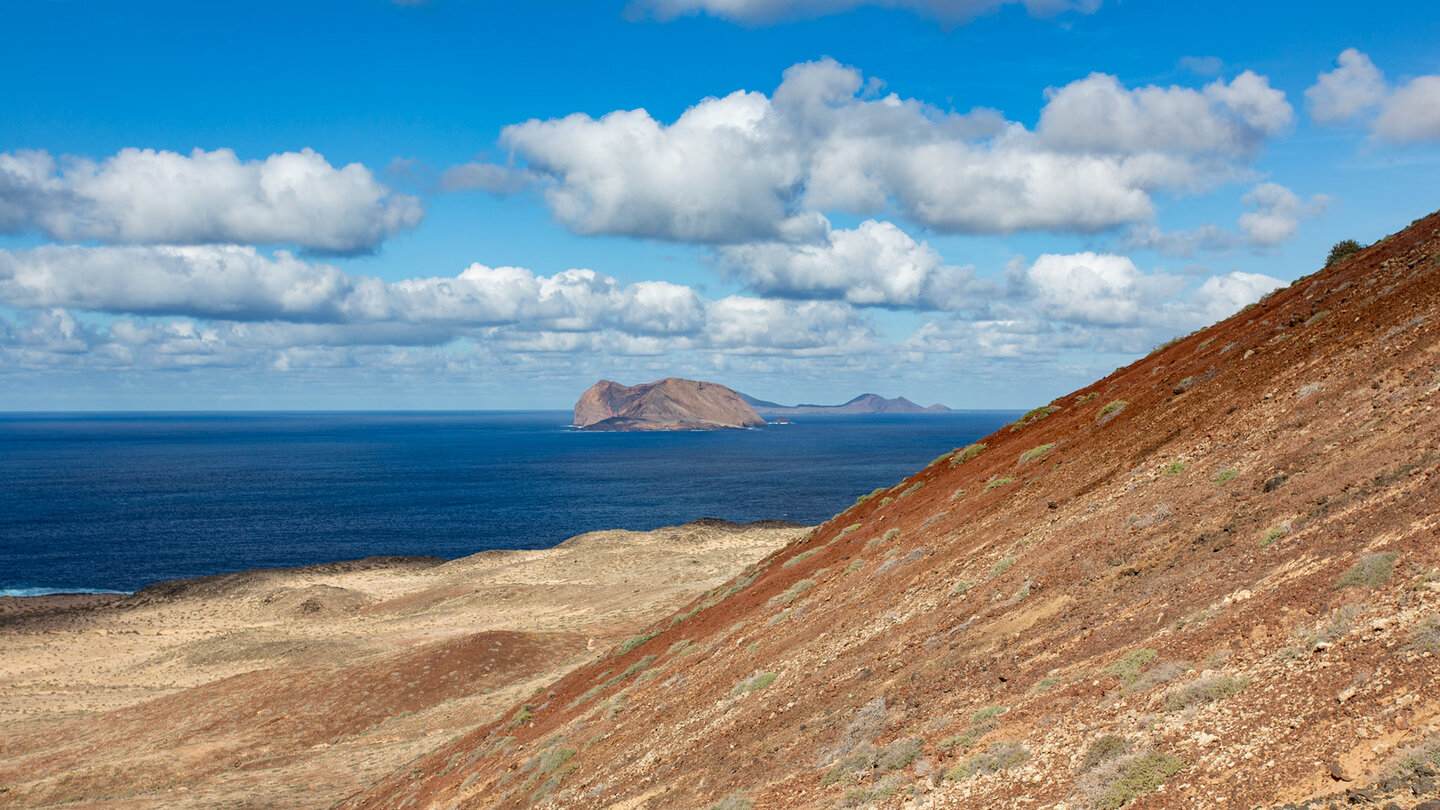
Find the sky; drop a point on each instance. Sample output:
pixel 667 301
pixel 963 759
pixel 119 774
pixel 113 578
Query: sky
pixel 455 204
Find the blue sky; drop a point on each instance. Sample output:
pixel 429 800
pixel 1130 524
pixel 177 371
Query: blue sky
pixel 459 204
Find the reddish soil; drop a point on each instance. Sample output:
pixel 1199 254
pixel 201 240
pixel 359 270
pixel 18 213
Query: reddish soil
pixel 1179 572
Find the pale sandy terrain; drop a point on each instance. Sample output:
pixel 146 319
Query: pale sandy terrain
pixel 294 688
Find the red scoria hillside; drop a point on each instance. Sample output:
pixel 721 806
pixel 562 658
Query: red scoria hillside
pixel 1207 580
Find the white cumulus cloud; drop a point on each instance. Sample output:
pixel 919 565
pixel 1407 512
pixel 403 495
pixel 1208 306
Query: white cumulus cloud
pixel 747 168
pixel 159 197
pixel 1356 92
pixel 873 264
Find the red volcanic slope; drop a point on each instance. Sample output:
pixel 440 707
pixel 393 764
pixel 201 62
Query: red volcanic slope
pixel 1211 579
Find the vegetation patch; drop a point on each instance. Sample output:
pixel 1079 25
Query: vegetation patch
pixel 635 641
pixel 968 737
pixel 754 683
pixel 798 558
pixel 1084 398
pixel 1115 783
pixel 996 482
pixel 1045 684
pixel 1036 452
pixel 1417 760
pixel 1174 468
pixel 966 453
pixel 1103 749
pixel 913 488
pixel 1128 668
pixel 854 566
pixel 1033 416
pixel 735 801
pixel 848 529
pixel 1371 570
pixel 899 754
pixel 998 757
pixel 873 493
pixel 987 713
pixel 1343 250
pixel 522 716
pixel 1222 476
pixel 887 787
pixel 1205 690
pixel 795 590
pixel 1002 566
pixel 638 666
pixel 1425 637
pixel 1271 536
pixel 961 586
pixel 1112 410
pixel 1163 672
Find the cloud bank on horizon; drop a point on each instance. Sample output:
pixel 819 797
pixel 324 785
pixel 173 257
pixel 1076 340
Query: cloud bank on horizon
pixel 837 231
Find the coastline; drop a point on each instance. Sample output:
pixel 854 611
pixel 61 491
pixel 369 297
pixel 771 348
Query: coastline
pixel 305 684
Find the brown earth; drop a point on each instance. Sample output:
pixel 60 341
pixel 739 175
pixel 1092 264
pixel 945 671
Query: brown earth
pixel 292 688
pixel 1208 580
pixel 668 404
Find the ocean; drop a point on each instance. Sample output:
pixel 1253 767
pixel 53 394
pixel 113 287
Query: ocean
pixel 113 502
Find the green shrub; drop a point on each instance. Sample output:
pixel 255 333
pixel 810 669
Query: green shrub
pixel 969 736
pixel 1425 637
pixel 913 488
pixel 1045 684
pixel 1205 690
pixel 848 529
pixel 522 716
pixel 550 761
pixel 1084 398
pixel 635 641
pixel 899 754
pixel 1224 475
pixel 1036 452
pixel 754 683
pixel 996 482
pixel 798 558
pixel 1034 416
pixel 1174 468
pixel 1343 250
pixel 1371 570
pixel 1103 749
pixel 1002 566
pixel 1271 536
pixel 987 713
pixel 1118 781
pixel 998 757
pixel 854 566
pixel 1128 668
pixel 795 590
pixel 872 493
pixel 1112 410
pixel 966 453
pixel 638 666
pixel 735 801
pixel 961 586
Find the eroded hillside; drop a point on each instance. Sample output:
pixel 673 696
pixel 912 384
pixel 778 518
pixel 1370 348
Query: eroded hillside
pixel 1207 580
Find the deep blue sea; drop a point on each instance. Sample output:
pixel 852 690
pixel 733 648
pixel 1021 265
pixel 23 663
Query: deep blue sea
pixel 118 501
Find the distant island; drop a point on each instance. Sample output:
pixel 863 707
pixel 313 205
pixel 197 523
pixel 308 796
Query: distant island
pixel 865 403
pixel 678 404
pixel 668 404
